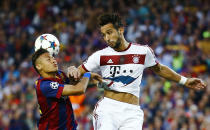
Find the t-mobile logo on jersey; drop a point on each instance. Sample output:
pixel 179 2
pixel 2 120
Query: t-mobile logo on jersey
pixel 114 70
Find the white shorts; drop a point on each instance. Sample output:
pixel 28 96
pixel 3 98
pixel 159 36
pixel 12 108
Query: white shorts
pixel 110 114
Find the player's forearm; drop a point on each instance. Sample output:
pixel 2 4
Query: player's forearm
pixel 82 71
pixel 82 85
pixel 168 73
pixel 75 73
pixel 77 89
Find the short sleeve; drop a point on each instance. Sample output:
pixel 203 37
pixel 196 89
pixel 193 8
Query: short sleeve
pixel 51 89
pixel 150 58
pixel 92 63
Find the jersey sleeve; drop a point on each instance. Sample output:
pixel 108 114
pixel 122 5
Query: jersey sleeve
pixel 150 58
pixel 92 63
pixel 51 89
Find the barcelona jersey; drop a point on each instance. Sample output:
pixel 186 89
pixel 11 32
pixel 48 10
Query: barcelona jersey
pixel 56 110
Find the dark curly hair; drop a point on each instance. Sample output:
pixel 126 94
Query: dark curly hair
pixel 113 18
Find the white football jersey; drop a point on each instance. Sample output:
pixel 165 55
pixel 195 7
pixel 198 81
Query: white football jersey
pixel 124 68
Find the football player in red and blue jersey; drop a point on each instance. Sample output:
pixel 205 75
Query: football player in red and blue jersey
pixel 53 88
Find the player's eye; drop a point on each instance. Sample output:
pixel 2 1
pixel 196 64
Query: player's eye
pixel 109 32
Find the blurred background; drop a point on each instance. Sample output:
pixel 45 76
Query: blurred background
pixel 177 30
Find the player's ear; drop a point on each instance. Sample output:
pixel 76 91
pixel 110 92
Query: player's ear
pixel 38 66
pixel 121 30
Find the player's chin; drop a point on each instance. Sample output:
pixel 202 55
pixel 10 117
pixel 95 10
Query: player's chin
pixel 55 69
pixel 112 45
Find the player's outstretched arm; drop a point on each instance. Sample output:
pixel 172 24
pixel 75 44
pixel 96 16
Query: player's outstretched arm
pixel 81 86
pixel 169 74
pixel 77 89
pixel 76 73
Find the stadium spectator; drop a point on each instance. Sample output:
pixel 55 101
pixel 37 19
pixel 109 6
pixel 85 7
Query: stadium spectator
pixel 173 26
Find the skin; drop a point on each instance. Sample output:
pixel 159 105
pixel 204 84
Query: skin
pixel 115 39
pixel 47 67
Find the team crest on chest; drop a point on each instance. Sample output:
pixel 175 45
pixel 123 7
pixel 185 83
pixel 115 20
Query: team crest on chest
pixel 54 85
pixel 136 59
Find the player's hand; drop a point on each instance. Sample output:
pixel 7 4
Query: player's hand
pixel 73 72
pixel 195 83
pixel 97 77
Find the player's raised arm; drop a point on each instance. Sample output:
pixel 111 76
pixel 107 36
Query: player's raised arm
pixel 169 74
pixel 81 86
pixel 77 89
pixel 75 73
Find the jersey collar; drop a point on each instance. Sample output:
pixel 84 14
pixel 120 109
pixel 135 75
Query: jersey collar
pixel 126 48
pixel 56 78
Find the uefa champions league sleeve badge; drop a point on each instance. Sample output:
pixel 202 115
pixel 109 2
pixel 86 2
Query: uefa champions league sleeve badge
pixel 54 85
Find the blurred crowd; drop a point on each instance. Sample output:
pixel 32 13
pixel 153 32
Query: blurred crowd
pixel 177 30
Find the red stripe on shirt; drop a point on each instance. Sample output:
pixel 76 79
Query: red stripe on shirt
pixel 43 107
pixel 110 84
pixel 54 118
pixel 84 68
pixel 69 112
pixel 60 90
pixel 122 59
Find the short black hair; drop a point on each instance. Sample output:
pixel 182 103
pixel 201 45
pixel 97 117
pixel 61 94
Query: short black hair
pixel 36 55
pixel 112 18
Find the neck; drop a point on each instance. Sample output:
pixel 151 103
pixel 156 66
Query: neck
pixel 123 46
pixel 48 75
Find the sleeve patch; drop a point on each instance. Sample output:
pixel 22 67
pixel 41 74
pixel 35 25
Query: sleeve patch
pixel 54 85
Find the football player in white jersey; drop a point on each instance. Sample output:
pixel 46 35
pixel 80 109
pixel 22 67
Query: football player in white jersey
pixel 122 64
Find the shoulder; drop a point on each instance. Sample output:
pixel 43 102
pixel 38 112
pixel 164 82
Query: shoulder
pixel 139 48
pixel 146 47
pixel 45 83
pixel 139 45
pixel 42 81
pixel 48 85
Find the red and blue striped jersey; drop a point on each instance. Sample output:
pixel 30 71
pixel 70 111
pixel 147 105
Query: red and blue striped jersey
pixel 56 110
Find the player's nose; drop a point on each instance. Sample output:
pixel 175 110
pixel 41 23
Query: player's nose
pixel 53 61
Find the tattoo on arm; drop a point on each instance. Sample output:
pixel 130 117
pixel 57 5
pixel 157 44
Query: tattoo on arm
pixel 165 72
pixel 156 68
